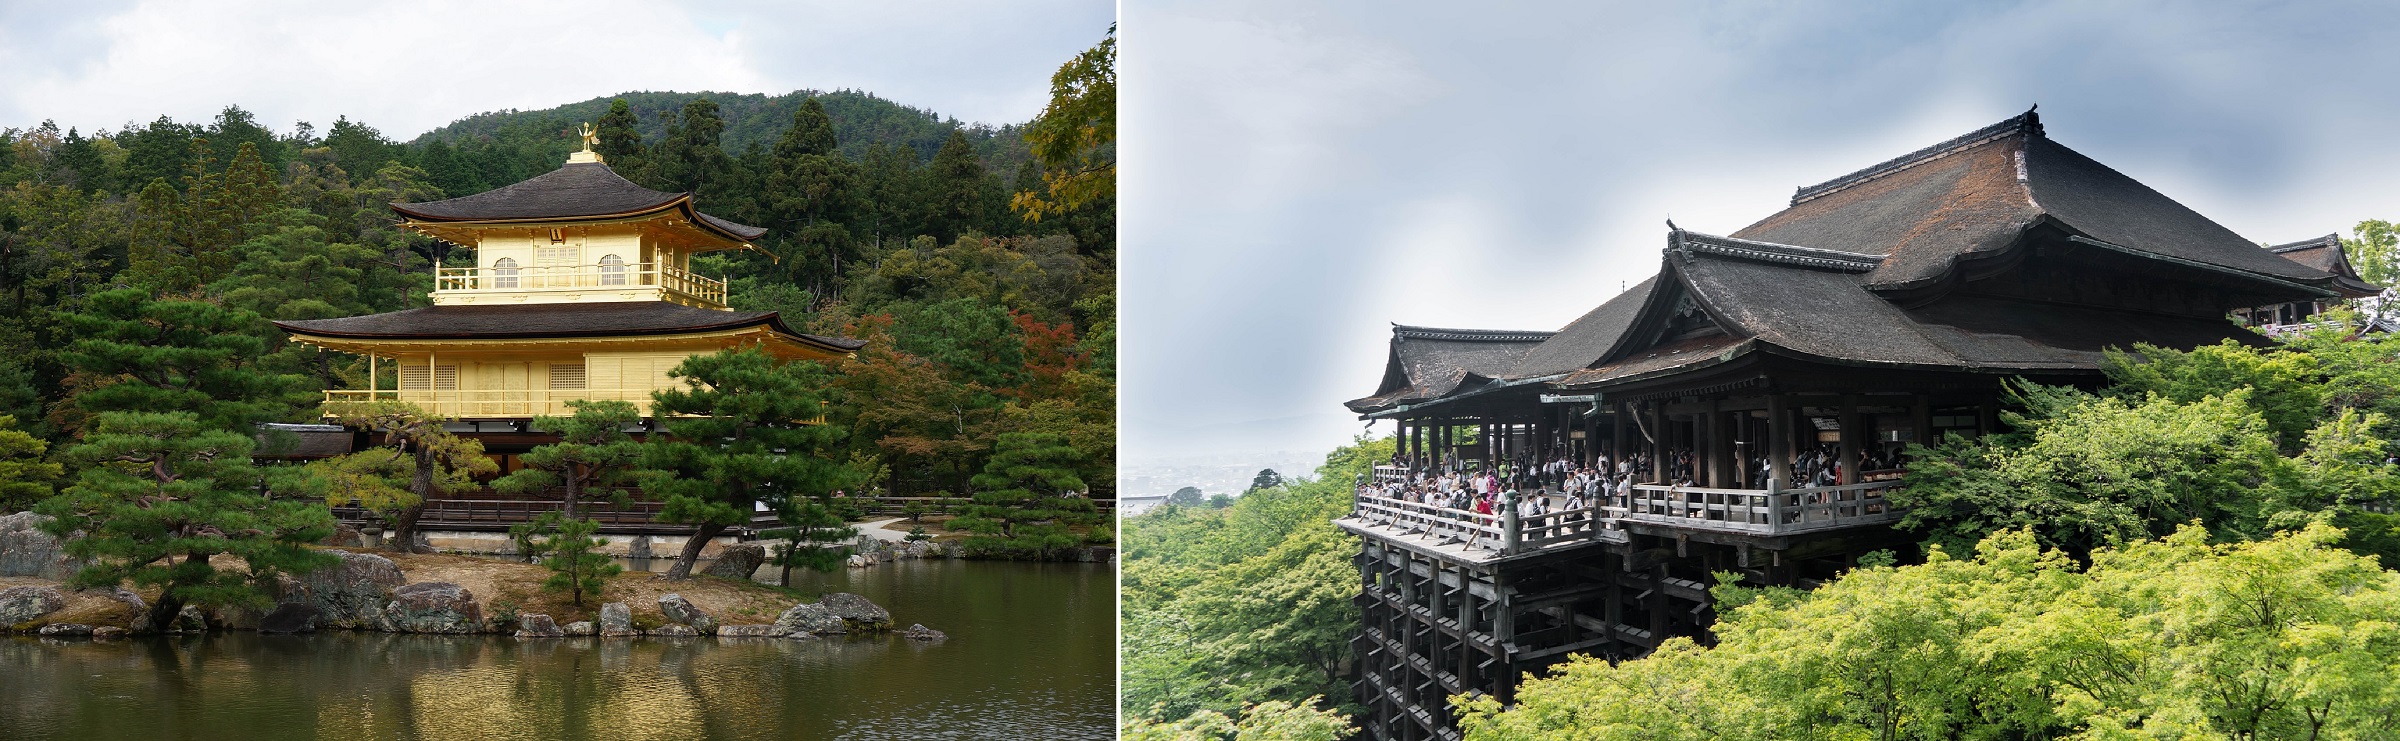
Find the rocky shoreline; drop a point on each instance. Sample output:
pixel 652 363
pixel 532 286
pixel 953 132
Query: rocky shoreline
pixel 370 592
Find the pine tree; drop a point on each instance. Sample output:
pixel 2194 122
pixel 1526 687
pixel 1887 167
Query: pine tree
pixel 416 449
pixel 1030 494
pixel 24 477
pixel 567 548
pixel 691 156
pixel 744 431
pixel 593 449
pixel 140 354
pixel 810 193
pixel 159 495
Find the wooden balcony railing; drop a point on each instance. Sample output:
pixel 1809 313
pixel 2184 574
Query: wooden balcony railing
pixel 483 404
pixel 550 278
pixel 1752 511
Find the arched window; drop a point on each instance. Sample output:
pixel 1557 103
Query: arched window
pixel 504 273
pixel 612 270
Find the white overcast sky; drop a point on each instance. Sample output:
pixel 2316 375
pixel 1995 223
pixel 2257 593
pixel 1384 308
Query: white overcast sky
pixel 406 67
pixel 1299 175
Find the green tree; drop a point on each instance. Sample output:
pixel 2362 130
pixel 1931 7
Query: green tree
pixel 808 194
pixel 2284 386
pixel 136 353
pixel 1029 498
pixel 811 538
pixel 2283 638
pixel 691 157
pixel 2374 251
pixel 620 136
pixel 160 495
pixel 954 184
pixel 593 449
pixel 1220 501
pixel 24 477
pixel 1267 478
pixel 416 450
pixel 1273 719
pixel 1247 604
pixel 743 431
pixel 1075 137
pixel 567 548
pixel 1188 496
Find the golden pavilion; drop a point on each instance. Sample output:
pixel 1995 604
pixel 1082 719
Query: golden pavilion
pixel 582 289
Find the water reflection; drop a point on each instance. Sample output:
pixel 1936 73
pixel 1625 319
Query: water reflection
pixel 1031 657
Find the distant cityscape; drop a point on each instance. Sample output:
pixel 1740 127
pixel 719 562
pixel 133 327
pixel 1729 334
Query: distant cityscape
pixel 1229 473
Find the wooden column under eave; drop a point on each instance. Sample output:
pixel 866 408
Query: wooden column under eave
pixel 1920 420
pixel 1617 445
pixel 1779 439
pixel 1708 460
pixel 1658 442
pixel 1850 438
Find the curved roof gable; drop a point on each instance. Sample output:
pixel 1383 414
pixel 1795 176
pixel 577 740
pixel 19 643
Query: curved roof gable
pixel 1431 362
pixel 1977 193
pixel 579 190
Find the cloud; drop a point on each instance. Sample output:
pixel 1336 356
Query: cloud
pixel 409 67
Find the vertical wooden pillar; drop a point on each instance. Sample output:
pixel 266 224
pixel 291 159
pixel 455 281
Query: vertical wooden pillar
pixel 1658 442
pixel 1779 439
pixel 1617 447
pixel 1708 459
pixel 1921 421
pixel 1850 438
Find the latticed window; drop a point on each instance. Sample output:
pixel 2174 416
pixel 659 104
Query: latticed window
pixel 504 273
pixel 612 270
pixel 555 254
pixel 421 378
pixel 566 375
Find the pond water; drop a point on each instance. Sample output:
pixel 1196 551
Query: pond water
pixel 1031 654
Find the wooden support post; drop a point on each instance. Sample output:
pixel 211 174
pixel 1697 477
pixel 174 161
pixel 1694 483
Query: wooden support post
pixel 1850 438
pixel 1921 421
pixel 1658 442
pixel 1779 440
pixel 1617 444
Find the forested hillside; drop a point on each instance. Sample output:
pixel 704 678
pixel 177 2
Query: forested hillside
pixel 885 223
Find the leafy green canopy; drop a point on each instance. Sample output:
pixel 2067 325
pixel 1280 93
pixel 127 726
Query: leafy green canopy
pixel 1274 719
pixel 2242 440
pixel 160 495
pixel 2284 638
pixel 744 431
pixel 1243 605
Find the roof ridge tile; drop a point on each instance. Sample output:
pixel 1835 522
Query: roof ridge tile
pixel 2027 122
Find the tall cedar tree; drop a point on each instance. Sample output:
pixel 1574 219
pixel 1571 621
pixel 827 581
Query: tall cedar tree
pixel 592 450
pixel 159 495
pixel 691 156
pixel 811 190
pixel 137 353
pixel 432 460
pixel 620 135
pixel 955 184
pixel 753 436
pixel 186 238
pixel 1075 136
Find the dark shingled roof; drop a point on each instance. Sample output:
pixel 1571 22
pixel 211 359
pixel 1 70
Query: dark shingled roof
pixel 525 321
pixel 1833 314
pixel 1584 340
pixel 1431 362
pixel 1977 193
pixel 2325 253
pixel 578 190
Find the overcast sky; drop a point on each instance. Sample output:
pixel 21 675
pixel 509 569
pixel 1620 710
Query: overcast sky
pixel 1299 175
pixel 406 67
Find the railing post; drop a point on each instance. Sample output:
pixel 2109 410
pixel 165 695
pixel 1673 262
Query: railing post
pixel 1510 532
pixel 1774 505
